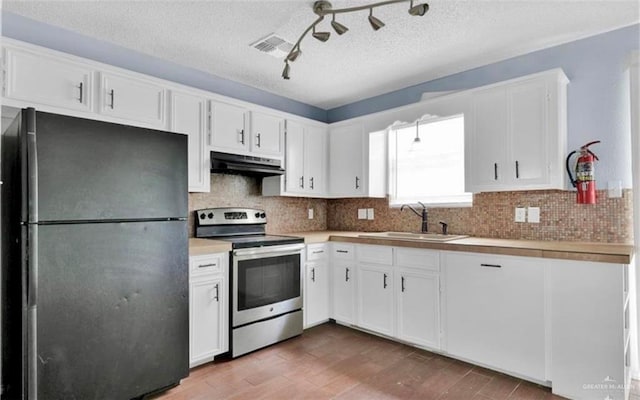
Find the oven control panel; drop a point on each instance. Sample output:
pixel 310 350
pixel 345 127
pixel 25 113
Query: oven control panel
pixel 227 216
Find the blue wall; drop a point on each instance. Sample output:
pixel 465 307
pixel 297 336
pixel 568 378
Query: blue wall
pixel 28 30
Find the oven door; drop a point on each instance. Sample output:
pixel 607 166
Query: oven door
pixel 266 282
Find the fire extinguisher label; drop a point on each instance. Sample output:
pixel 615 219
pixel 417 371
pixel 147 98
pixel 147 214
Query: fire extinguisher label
pixel 584 171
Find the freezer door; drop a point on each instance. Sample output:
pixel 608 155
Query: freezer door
pixel 112 309
pixel 92 170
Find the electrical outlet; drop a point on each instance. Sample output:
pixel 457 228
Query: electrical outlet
pixel 369 213
pixel 311 213
pixel 615 189
pixel 521 214
pixel 362 213
pixel 533 214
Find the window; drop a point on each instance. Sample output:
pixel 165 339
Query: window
pixel 428 165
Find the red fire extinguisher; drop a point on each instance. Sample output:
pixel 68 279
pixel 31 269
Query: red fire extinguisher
pixel 584 180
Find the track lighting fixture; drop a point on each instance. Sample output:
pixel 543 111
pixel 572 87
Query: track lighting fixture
pixel 375 22
pixel 338 27
pixel 323 8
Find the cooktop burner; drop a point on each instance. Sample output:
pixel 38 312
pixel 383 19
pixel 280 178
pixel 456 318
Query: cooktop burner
pixel 243 227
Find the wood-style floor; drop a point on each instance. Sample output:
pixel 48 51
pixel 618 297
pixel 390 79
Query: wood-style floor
pixel 334 362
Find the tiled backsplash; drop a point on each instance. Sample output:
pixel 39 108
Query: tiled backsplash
pixel 492 215
pixel 284 214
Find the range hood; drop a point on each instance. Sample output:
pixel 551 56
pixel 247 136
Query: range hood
pixel 224 163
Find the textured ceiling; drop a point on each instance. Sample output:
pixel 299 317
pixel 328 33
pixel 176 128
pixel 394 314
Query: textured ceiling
pixel 214 36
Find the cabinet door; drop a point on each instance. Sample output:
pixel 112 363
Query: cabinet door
pixel 495 311
pixel 133 99
pixel 188 116
pixel 528 125
pixel 317 293
pixel 228 127
pixel 346 160
pixel 294 158
pixel 343 292
pixel 41 79
pixel 207 318
pixel 375 299
pixel 266 137
pixel 315 154
pixel 419 308
pixel 486 165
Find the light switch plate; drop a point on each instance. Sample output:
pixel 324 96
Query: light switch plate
pixel 521 214
pixel 362 213
pixel 311 213
pixel 533 213
pixel 369 213
pixel 614 189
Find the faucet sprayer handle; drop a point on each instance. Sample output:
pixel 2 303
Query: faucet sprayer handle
pixel 444 227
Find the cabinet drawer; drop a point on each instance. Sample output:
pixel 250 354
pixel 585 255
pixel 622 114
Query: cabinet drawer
pixel 382 255
pixel 207 264
pixel 419 259
pixel 343 251
pixel 316 252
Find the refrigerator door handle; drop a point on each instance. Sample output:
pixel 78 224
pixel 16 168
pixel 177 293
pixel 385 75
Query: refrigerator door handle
pixel 32 310
pixel 32 167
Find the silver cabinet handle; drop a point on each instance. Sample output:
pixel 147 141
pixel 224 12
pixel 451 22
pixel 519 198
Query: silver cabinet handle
pixel 112 95
pixel 258 140
pixel 313 274
pixel 402 283
pixel 357 183
pixel 517 170
pixel 81 88
pixel 384 281
pixel 495 171
pixel 302 182
pixel 311 183
pixel 342 251
pixel 491 265
pixel 207 265
pixel 317 252
pixel 346 274
pixel 242 136
pixel 217 288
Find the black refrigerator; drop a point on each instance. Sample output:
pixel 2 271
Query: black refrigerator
pixel 94 259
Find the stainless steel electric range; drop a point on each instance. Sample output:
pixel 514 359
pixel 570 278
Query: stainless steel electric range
pixel 265 279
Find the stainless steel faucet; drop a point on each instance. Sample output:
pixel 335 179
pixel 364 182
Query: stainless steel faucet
pixel 423 215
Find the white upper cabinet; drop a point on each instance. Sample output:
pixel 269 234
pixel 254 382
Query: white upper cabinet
pixel 516 136
pixel 188 115
pixel 294 158
pixel 346 160
pixel 132 99
pixel 228 127
pixel 266 134
pixel 315 160
pixel 49 80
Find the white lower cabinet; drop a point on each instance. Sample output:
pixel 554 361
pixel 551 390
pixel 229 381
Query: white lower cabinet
pixel 495 311
pixel 343 296
pixel 418 308
pixel 208 307
pixel 375 298
pixel 316 287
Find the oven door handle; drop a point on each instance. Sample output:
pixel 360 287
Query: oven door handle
pixel 270 250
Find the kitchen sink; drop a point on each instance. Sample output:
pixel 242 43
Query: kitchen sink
pixel 426 237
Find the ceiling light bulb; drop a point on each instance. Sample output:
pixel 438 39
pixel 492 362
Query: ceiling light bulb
pixel 321 36
pixel 294 54
pixel 375 22
pixel 419 10
pixel 285 72
pixel 338 27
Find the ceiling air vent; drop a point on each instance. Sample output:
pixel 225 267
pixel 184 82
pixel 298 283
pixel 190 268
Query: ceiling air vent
pixel 273 45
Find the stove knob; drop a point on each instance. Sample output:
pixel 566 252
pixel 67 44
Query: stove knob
pixel 257 215
pixel 202 216
pixel 210 215
pixel 263 215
